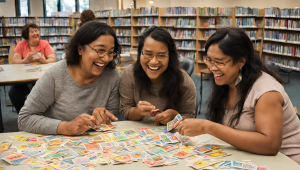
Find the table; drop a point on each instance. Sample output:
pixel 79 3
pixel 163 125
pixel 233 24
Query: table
pixel 278 162
pixel 14 74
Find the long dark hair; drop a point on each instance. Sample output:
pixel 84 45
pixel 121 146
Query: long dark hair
pixel 86 15
pixel 234 42
pixel 88 33
pixel 172 76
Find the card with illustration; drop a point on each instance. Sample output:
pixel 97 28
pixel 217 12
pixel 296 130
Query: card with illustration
pixel 262 168
pixel 172 122
pixel 5 145
pixel 172 138
pixel 138 155
pixel 81 160
pixel 183 139
pixel 91 146
pixel 181 154
pixel 165 139
pixel 131 133
pixel 237 164
pixel 249 166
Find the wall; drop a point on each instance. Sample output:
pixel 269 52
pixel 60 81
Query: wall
pixel 221 3
pixel 7 9
pixel 36 8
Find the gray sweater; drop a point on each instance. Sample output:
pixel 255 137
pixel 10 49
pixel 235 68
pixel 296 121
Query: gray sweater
pixel 57 97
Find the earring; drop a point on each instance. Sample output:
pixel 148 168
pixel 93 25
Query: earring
pixel 239 78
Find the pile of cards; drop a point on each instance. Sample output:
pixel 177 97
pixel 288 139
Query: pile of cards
pixel 172 122
pixel 104 127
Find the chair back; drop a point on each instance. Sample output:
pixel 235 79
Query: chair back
pixel 187 64
pixel 272 66
pixel 11 54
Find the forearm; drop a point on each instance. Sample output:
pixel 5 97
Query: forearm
pixel 134 114
pixel 20 61
pixel 37 123
pixel 248 141
pixel 62 128
pixel 51 60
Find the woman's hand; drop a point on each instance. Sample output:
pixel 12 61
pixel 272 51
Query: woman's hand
pixel 191 127
pixel 78 126
pixel 42 59
pixel 29 57
pixel 145 108
pixel 165 116
pixel 103 116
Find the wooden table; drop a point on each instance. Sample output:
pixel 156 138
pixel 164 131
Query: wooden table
pixel 278 162
pixel 14 74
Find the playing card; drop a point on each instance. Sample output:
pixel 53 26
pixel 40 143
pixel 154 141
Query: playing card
pixel 81 160
pixel 183 139
pixel 237 164
pixel 172 122
pixel 5 145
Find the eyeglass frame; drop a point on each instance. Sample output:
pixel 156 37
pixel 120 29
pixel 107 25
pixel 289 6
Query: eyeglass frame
pixel 155 56
pixel 207 59
pixel 105 53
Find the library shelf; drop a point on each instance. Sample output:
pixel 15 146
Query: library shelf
pixel 268 52
pixel 58 42
pixel 124 16
pixel 206 28
pixel 55 26
pixel 143 25
pixel 281 17
pixel 3 55
pixel 183 49
pixel 102 17
pixel 12 26
pixel 4 46
pixel 252 27
pixel 17 36
pixel 280 29
pixel 123 35
pixel 178 16
pixel 249 16
pixel 282 42
pixel 135 36
pixel 211 16
pixel 125 44
pixel 116 26
pixel 139 16
pixel 177 38
pixel 55 35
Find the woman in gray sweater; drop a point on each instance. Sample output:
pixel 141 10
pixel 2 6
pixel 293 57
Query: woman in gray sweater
pixel 80 92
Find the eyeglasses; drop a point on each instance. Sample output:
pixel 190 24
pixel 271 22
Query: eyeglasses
pixel 159 57
pixel 208 62
pixel 103 53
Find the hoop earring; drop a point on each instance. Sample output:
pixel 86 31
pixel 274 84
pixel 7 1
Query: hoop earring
pixel 239 78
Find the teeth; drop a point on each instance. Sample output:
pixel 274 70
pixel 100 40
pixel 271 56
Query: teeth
pixel 99 64
pixel 153 68
pixel 219 75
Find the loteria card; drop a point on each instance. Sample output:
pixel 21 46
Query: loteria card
pixel 183 139
pixel 262 168
pixel 5 145
pixel 131 133
pixel 172 138
pixel 181 154
pixel 164 138
pixel 249 166
pixel 172 122
pixel 81 160
pixel 203 163
pixel 91 146
pixel 139 155
pixel 237 164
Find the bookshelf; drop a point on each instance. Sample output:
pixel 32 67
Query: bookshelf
pixel 282 37
pixel 10 33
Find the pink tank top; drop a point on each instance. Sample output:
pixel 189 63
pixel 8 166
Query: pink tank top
pixel 291 124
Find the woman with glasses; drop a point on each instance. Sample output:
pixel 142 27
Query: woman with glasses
pixel 80 92
pixel 31 49
pixel 155 86
pixel 248 107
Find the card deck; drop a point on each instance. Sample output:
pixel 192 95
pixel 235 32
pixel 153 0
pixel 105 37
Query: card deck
pixel 172 122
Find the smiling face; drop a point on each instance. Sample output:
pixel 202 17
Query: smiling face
pixel 152 67
pixel 91 63
pixel 226 75
pixel 34 35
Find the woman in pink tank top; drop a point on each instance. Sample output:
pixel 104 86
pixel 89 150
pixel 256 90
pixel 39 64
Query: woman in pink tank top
pixel 248 107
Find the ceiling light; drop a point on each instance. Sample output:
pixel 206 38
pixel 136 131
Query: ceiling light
pixel 150 2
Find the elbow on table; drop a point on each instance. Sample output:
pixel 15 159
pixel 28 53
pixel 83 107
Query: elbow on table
pixel 272 148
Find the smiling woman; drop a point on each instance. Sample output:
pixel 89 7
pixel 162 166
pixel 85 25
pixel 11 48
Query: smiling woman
pixel 80 92
pixel 155 86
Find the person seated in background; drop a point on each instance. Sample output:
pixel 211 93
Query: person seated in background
pixel 79 92
pixel 31 49
pixel 155 86
pixel 86 16
pixel 248 107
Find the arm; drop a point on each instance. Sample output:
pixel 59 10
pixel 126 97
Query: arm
pixel 31 117
pixel 268 121
pixel 113 101
pixel 51 58
pixel 18 59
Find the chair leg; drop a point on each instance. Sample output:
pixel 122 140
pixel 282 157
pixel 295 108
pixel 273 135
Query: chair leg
pixel 200 94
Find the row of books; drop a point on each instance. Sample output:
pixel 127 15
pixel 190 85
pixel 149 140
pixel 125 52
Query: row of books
pixel 59 39
pixel 281 37
pixel 146 11
pixel 125 49
pixel 122 21
pixel 248 22
pixel 180 22
pixel 181 11
pixel 120 13
pixel 123 32
pixel 58 46
pixel 53 22
pixel 55 31
pixel 257 45
pixel 281 49
pixel 283 62
pixel 185 45
pixel 215 11
pixel 218 22
pixel 103 20
pixel 1 33
pixel 76 27
pixel 147 21
pixel 175 33
pixel 11 32
pixel 282 24
pixel 188 54
pixel 253 35
pixel 124 40
pixel 3 51
pixel 246 11
pixel 102 13
pixel 9 41
pixel 284 13
pixel 208 33
pixel 15 21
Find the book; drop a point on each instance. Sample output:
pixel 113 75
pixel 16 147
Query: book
pixel 215 11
